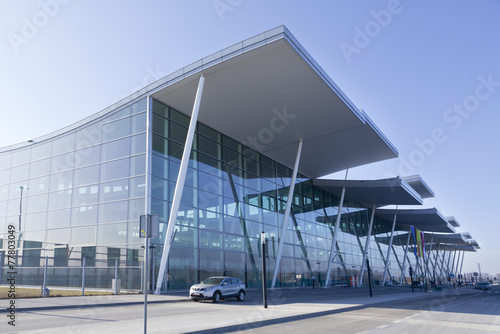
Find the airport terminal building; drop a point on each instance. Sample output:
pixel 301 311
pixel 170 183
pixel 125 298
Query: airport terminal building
pixel 228 147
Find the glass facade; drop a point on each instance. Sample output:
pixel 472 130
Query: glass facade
pixel 80 194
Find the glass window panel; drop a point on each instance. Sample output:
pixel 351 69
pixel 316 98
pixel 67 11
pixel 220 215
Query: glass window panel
pixel 231 157
pixel 234 261
pixel 136 208
pixel 211 260
pixel 37 203
pixel 173 170
pixel 5 160
pixel 115 170
pixel 138 144
pixel 209 164
pixel 183 258
pixel 210 183
pixel 21 157
pixel 39 168
pixel 86 175
pixel 116 129
pixel 84 215
pixel 115 149
pixel 210 239
pixel 208 132
pixel 19 173
pixel 85 195
pixel 159 188
pixel 35 221
pixel 62 162
pixel 138 165
pixel 160 109
pixel 179 117
pixel 160 167
pixel 210 220
pixel 61 181
pixel 63 144
pixel 177 132
pixel 83 236
pixel 5 176
pixel 88 136
pixel 160 144
pixel 59 236
pixel 59 199
pixel 185 236
pixel 112 191
pixel 231 143
pixel 234 242
pixel 137 187
pixel 4 193
pixel 113 212
pixel 58 218
pixel 41 151
pixel 87 156
pixel 189 196
pixel 138 123
pixel 112 234
pixel 209 147
pixel 175 150
pixel 160 125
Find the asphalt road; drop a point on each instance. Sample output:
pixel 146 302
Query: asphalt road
pixel 475 312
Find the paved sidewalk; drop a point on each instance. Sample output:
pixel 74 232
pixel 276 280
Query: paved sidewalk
pixel 341 295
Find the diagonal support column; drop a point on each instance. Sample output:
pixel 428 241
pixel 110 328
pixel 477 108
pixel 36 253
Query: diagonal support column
pixel 287 214
pixel 387 258
pixel 456 268
pixel 367 245
pixel 335 236
pixel 404 259
pixel 179 186
pixel 442 264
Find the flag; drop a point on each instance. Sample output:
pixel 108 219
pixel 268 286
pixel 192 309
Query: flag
pixel 412 229
pixel 419 242
pixel 423 244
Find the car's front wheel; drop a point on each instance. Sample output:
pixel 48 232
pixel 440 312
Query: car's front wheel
pixel 241 296
pixel 216 297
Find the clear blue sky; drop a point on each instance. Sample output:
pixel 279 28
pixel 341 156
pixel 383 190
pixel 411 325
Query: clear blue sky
pixel 427 73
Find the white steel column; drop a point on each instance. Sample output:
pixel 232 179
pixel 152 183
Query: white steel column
pixel 287 214
pixel 458 262
pixel 463 253
pixel 404 259
pixel 452 269
pixel 179 186
pixel 387 258
pixel 367 245
pixel 442 264
pixel 333 250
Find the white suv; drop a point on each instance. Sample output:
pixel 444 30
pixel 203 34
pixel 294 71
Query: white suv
pixel 217 288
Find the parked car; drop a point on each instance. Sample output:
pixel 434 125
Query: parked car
pixel 218 288
pixel 483 286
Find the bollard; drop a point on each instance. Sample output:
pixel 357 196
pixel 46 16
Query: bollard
pixel 83 277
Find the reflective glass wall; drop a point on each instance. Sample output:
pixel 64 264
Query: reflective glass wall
pixel 232 194
pixel 78 195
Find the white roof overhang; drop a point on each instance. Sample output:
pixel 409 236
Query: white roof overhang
pixel 268 92
pixel 453 221
pixel 368 192
pixel 420 186
pixel 428 220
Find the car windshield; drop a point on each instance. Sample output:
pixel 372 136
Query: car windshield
pixel 213 280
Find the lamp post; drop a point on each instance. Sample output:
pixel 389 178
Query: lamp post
pixel 21 206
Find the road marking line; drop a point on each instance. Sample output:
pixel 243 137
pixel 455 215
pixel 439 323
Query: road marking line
pixel 382 326
pixel 396 321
